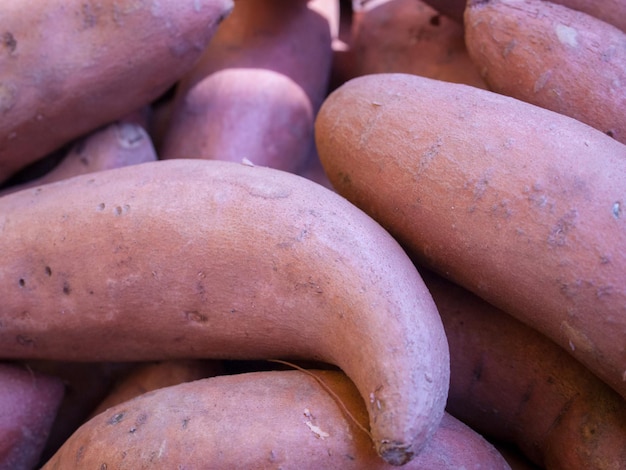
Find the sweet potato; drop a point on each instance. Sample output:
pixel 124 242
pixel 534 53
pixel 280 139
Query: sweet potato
pixel 551 56
pixel 85 385
pixel 256 89
pixel 409 36
pixel 213 259
pixel 29 401
pixel 270 419
pixel 610 11
pixel 116 145
pixel 451 8
pixel 69 67
pixel 154 375
pixel 521 205
pixel 513 384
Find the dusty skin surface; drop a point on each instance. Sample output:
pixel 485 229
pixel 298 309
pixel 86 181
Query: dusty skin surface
pixel 521 205
pixel 553 57
pixel 272 419
pixel 513 384
pixel 62 84
pixel 217 259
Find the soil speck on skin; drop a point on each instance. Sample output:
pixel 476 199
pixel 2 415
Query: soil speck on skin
pixel 9 42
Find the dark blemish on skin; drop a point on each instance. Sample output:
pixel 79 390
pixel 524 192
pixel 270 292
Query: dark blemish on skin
pixel 25 341
pixel 116 418
pixel 186 422
pixel 610 133
pixel 435 20
pixel 79 146
pixel 21 282
pixel 48 271
pixel 79 453
pixel 8 41
pixel 89 17
pixel 66 288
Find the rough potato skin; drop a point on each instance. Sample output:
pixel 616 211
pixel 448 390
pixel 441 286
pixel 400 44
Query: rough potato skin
pixel 521 205
pixel 96 62
pixel 212 259
pixel 271 419
pixel 552 56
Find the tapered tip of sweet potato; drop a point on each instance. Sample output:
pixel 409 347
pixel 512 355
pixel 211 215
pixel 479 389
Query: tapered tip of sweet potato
pixel 395 453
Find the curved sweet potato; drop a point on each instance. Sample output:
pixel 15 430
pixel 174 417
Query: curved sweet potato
pixel 551 56
pixel 256 89
pixel 275 419
pixel 29 401
pixel 521 205
pixel 93 64
pixel 513 384
pixel 216 259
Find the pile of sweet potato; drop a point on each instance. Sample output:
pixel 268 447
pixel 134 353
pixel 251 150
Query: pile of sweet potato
pixel 313 234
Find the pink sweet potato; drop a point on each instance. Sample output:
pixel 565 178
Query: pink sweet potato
pixel 256 90
pixel 28 405
pixel 116 145
pixel 69 67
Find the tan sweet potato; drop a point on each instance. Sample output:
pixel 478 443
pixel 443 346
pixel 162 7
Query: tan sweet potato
pixel 551 56
pixel 116 145
pixel 85 385
pixel 256 89
pixel 271 419
pixel 69 67
pixel 154 375
pixel 28 402
pixel 521 205
pixel 513 384
pixel 409 36
pixel 204 258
